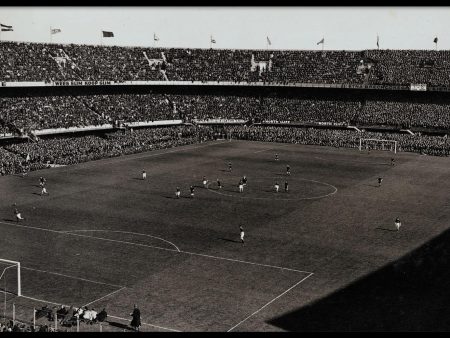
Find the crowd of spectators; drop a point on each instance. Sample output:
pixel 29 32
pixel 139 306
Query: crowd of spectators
pixel 47 112
pixel 307 110
pixel 131 107
pixel 405 114
pixel 28 113
pixel 42 62
pixel 72 150
pixel 431 145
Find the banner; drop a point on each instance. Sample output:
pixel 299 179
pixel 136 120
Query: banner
pixel 418 87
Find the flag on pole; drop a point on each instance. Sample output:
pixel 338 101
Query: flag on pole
pixel 321 41
pixel 378 41
pixel 6 28
pixel 108 34
pixel 55 31
pixel 435 40
pixel 212 40
pixel 155 38
pixel 268 41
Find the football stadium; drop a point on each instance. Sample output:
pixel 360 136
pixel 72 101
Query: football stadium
pixel 162 189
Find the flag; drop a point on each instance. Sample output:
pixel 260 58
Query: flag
pixel 108 34
pixel 6 28
pixel 435 40
pixel 321 41
pixel 212 40
pixel 378 41
pixel 55 31
pixel 155 38
pixel 28 158
pixel 268 41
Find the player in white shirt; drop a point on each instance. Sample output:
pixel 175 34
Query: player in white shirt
pixel 144 174
pixel 397 223
pixel 277 187
pixel 44 191
pixel 241 186
pixel 242 233
pixel 205 182
pixel 178 193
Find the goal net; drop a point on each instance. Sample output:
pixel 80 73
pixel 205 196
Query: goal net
pixel 10 281
pixel 377 144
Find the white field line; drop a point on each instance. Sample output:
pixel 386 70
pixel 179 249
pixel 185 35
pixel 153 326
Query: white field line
pixel 159 154
pixel 159 248
pixel 281 199
pixel 126 320
pixel 118 241
pixel 109 294
pixel 267 304
pixel 124 232
pixel 73 277
pixel 244 262
pixel 70 232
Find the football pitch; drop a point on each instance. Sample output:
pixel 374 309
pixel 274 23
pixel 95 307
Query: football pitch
pixel 105 238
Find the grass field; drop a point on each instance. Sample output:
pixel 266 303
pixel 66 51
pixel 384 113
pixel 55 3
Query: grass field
pixel 106 238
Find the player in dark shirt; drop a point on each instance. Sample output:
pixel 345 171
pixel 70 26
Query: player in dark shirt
pixel 219 184
pixel 192 190
pixel 288 170
pixel 229 167
pixel 42 181
pixel 379 181
pixel 392 161
pixel 286 186
pixel 276 157
pixel 244 180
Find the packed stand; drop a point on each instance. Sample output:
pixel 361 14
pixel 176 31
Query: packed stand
pixel 431 145
pixel 405 67
pixel 131 107
pixel 306 110
pixel 73 150
pixel 47 112
pixel 405 114
pixel 206 107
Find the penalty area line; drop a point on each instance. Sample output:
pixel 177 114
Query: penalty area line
pixel 270 302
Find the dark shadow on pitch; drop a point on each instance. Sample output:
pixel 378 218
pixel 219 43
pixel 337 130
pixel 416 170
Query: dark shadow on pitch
pixel 9 220
pixel 410 294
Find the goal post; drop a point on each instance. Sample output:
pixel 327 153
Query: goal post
pixel 377 144
pixel 10 280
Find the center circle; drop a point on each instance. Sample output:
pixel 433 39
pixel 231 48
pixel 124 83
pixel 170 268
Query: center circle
pixel 263 188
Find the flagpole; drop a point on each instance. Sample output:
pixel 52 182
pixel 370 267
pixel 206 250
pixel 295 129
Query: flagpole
pixel 154 41
pixel 50 34
pixel 210 42
pixel 323 43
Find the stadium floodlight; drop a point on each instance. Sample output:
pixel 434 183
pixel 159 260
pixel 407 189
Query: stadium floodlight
pixel 377 144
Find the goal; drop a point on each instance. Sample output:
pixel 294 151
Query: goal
pixel 377 144
pixel 10 277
